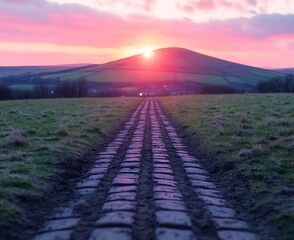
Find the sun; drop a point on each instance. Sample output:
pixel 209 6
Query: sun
pixel 148 52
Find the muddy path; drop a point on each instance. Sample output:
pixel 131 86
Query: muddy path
pixel 146 185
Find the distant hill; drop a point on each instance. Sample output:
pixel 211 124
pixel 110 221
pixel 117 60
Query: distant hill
pixel 172 64
pixel 286 70
pixel 172 70
pixel 20 70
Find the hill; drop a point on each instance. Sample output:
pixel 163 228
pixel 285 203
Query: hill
pixel 29 70
pixel 167 71
pixel 286 70
pixel 175 64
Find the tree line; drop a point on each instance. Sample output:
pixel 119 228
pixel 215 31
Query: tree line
pixel 277 84
pixel 81 88
pixel 219 89
pixel 62 89
pixel 5 92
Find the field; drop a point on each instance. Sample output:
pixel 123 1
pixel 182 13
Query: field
pixel 251 140
pixel 35 136
pixel 247 143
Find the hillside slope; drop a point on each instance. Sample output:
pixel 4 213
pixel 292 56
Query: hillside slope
pixel 171 64
pixel 6 71
pixel 286 70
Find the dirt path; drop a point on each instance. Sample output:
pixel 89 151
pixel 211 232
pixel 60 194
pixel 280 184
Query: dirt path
pixel 146 185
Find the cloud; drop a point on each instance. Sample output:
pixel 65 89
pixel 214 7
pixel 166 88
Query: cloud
pixel 268 25
pixel 206 5
pixel 62 24
pixel 242 6
pixel 16 1
pixel 76 25
pixel 191 5
pixel 14 58
pixel 251 2
pixel 145 5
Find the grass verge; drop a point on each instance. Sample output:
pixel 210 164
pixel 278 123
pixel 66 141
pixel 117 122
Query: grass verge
pixel 36 134
pixel 251 139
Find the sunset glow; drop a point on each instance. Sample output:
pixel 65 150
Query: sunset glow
pixel 40 32
pixel 148 52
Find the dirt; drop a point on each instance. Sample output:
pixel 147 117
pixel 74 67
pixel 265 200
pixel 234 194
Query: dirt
pixel 144 219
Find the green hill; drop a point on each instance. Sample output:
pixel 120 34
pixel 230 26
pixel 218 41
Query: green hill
pixel 29 70
pixel 171 64
pixel 286 70
pixel 167 71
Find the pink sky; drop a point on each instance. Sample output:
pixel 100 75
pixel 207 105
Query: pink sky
pixel 39 32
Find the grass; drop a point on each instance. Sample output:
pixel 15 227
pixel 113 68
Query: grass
pixel 121 75
pixel 34 134
pixel 28 87
pixel 75 75
pixel 252 139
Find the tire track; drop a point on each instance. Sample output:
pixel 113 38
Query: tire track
pixel 145 218
pixel 215 218
pixel 173 221
pixel 202 225
pixel 117 216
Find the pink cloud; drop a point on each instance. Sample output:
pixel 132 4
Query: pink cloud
pixel 211 5
pixel 203 4
pixel 81 26
pixel 188 8
pixel 13 58
pixel 232 5
pixel 148 4
pixel 251 2
pixel 145 5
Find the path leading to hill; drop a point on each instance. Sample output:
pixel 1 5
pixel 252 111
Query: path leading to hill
pixel 146 185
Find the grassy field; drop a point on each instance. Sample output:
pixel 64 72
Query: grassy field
pixel 35 134
pixel 127 75
pixel 252 140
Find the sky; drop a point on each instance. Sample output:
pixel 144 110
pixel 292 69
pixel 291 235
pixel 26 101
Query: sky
pixel 49 32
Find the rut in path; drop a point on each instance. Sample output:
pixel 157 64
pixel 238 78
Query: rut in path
pixel 146 185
